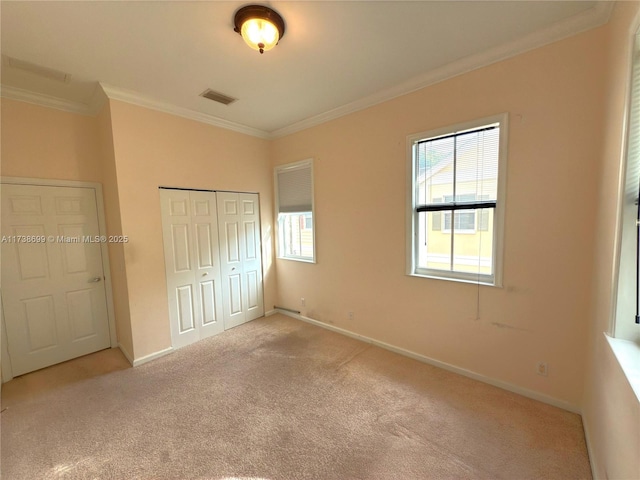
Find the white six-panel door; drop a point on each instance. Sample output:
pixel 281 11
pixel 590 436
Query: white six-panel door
pixel 213 261
pixel 240 257
pixel 53 290
pixel 190 234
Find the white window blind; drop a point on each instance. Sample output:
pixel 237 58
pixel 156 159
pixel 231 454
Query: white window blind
pixel 295 192
pixel 633 145
pixel 632 184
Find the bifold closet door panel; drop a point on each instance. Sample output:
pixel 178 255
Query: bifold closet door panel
pixel 240 257
pixel 252 256
pixel 204 223
pixel 189 227
pixel 178 257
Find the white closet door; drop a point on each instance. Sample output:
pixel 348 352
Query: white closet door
pixel 193 275
pixel 207 264
pixel 53 291
pixel 252 257
pixel 240 257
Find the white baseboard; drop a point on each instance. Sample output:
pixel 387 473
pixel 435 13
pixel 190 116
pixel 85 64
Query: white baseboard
pixel 126 354
pixel 152 356
pixel 270 312
pixel 590 453
pixel 446 366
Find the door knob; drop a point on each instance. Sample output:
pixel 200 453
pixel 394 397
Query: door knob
pixel 205 274
pixel 95 280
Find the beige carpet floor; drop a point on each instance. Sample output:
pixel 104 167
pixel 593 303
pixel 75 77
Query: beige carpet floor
pixel 278 399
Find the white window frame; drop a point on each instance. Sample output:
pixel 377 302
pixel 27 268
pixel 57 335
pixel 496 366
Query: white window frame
pixel 499 212
pixel 308 163
pixel 625 286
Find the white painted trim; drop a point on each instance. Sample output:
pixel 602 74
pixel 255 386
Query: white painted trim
pixel 98 99
pixel 106 266
pixel 594 17
pixel 627 354
pixel 47 182
pixel 7 372
pixel 270 312
pixel 590 451
pixel 445 366
pixel 136 98
pixel 126 354
pixel 34 98
pixel 102 226
pixel 152 356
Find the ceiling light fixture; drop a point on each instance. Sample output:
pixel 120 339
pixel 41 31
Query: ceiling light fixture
pixel 260 27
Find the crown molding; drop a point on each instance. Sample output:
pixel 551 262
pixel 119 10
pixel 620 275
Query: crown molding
pixel 34 98
pixel 128 96
pixel 592 18
pixel 98 99
pixel 104 92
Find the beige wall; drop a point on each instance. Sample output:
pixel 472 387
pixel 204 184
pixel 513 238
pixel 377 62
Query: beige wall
pixel 553 97
pixel 153 149
pixel 611 411
pixel 40 142
pixel 114 227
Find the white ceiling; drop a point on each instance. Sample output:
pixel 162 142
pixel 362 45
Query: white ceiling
pixel 335 57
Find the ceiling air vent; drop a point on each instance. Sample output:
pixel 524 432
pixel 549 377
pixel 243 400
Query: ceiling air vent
pixel 36 69
pixel 217 97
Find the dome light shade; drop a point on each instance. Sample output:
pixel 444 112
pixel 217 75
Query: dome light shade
pixel 260 27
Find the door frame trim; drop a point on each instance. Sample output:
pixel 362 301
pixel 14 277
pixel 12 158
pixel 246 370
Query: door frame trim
pixel 104 250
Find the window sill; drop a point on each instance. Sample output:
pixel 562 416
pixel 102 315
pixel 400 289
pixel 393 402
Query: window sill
pixel 453 279
pixel 628 355
pixel 303 260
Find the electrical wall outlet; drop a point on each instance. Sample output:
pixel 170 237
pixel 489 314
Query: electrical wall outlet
pixel 350 315
pixel 542 369
pixel 303 302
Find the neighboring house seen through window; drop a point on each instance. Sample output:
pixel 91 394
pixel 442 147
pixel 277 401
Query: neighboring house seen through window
pixel 456 201
pixel 294 187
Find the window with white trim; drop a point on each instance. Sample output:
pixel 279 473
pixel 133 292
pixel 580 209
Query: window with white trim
pixel 294 206
pixel 456 201
pixel 626 323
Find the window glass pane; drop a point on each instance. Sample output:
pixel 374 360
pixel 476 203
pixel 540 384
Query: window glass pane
pixel 463 220
pixel 434 246
pixel 295 232
pixel 473 252
pixel 434 166
pixel 477 164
